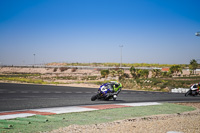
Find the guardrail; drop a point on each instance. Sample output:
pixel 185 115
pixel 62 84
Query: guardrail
pixel 82 67
pixel 180 90
pixel 87 67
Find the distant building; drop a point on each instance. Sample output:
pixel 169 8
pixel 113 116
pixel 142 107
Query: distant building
pixel 165 69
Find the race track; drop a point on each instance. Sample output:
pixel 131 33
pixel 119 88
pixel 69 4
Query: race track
pixel 26 96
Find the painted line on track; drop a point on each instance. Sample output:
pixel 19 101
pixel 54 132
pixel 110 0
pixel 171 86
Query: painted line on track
pixel 107 106
pixel 70 109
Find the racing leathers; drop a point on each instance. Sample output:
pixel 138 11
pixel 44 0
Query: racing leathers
pixel 196 87
pixel 114 88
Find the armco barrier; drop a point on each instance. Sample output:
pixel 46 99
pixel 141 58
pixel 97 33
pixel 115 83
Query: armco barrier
pixel 81 67
pixel 180 90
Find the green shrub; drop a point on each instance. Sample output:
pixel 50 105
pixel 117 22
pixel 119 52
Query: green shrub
pixel 89 78
pixel 104 73
pixel 55 69
pixel 74 69
pixel 125 75
pixel 68 78
pixel 62 69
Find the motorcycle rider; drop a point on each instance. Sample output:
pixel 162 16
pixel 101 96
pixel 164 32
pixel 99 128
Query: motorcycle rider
pixel 115 88
pixel 196 87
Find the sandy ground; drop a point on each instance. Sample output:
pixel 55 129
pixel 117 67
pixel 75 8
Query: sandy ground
pixel 188 122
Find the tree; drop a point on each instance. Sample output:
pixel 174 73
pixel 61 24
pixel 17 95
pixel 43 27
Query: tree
pixel 166 74
pixel 144 73
pixel 132 71
pixel 193 65
pixel 175 69
pixel 156 73
pixel 138 73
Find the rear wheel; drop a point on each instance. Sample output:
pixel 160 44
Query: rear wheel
pixel 93 98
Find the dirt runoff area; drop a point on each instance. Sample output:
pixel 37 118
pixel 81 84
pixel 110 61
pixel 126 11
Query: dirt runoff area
pixel 188 122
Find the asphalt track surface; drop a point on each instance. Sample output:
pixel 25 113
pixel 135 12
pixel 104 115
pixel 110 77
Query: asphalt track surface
pixel 26 96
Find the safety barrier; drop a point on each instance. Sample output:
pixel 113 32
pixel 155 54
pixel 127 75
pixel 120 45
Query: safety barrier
pixel 180 90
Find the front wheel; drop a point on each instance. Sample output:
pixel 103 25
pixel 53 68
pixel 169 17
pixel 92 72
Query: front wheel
pixel 114 97
pixel 187 93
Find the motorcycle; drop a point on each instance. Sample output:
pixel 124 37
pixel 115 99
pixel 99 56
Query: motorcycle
pixel 193 91
pixel 104 93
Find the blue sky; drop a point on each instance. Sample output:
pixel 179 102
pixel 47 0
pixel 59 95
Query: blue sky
pixel 151 31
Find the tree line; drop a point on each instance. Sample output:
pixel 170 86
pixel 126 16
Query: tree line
pixel 144 73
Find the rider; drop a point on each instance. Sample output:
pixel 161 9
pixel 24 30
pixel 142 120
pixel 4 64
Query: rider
pixel 115 87
pixel 196 86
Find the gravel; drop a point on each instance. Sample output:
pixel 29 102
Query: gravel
pixel 188 122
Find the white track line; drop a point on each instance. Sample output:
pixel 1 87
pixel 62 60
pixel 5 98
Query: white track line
pixel 61 110
pixel 70 109
pixel 12 116
pixel 140 104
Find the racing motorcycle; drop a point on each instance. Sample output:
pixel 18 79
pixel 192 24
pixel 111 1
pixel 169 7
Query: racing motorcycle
pixel 193 91
pixel 104 93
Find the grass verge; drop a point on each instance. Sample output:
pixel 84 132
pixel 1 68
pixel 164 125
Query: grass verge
pixel 40 123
